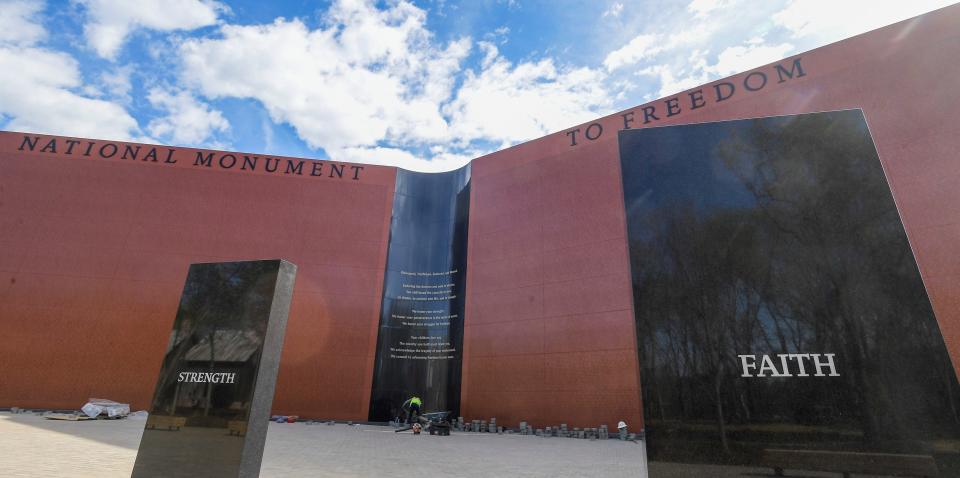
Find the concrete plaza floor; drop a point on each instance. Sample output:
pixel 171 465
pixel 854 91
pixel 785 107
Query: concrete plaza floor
pixel 31 446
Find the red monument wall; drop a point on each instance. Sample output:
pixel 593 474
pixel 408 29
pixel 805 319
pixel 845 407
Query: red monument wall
pixel 94 252
pixel 549 336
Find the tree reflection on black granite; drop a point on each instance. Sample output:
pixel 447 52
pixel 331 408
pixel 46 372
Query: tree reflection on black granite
pixel 779 236
pixel 208 389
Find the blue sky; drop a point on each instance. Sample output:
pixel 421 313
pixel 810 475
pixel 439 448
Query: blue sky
pixel 425 85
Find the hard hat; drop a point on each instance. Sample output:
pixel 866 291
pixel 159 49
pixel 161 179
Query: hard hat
pixel 622 424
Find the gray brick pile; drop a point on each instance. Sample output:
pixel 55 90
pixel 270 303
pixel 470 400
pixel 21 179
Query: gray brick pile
pixel 601 432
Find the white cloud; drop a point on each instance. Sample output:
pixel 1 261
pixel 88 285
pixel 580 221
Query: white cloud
pixel 830 20
pixel 696 70
pixel 647 46
pixel 499 35
pixel 267 127
pixel 38 86
pixel 726 37
pixel 374 83
pixel 509 103
pixel 750 55
pixel 111 21
pixel 116 83
pixel 377 155
pixel 642 46
pixel 614 10
pixel 703 8
pixel 19 23
pixel 393 157
pixel 369 75
pixel 37 96
pixel 187 121
pixel 672 81
pixel 716 38
pixel 441 160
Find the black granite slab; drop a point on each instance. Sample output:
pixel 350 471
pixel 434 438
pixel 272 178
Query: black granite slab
pixel 781 318
pixel 419 347
pixel 211 405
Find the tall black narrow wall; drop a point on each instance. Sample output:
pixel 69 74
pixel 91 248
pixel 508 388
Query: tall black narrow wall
pixel 421 320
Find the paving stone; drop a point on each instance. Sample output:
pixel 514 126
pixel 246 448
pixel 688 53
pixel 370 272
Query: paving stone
pixel 35 447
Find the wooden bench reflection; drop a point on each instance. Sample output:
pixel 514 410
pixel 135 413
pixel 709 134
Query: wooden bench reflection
pixel 884 464
pixel 166 422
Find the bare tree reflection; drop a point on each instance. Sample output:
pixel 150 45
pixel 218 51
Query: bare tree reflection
pixel 792 245
pixel 216 325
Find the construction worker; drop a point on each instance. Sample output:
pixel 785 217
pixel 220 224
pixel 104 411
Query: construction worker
pixel 412 406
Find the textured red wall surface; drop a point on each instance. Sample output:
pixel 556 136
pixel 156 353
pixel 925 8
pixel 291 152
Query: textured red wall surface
pixel 549 331
pixel 549 335
pixel 94 252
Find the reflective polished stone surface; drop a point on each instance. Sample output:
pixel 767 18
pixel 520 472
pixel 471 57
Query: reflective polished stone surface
pixel 419 348
pixel 212 400
pixel 778 304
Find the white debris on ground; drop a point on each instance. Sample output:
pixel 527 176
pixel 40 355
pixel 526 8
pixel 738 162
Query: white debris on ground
pixel 99 406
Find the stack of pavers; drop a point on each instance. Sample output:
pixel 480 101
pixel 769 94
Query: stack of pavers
pixel 562 431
